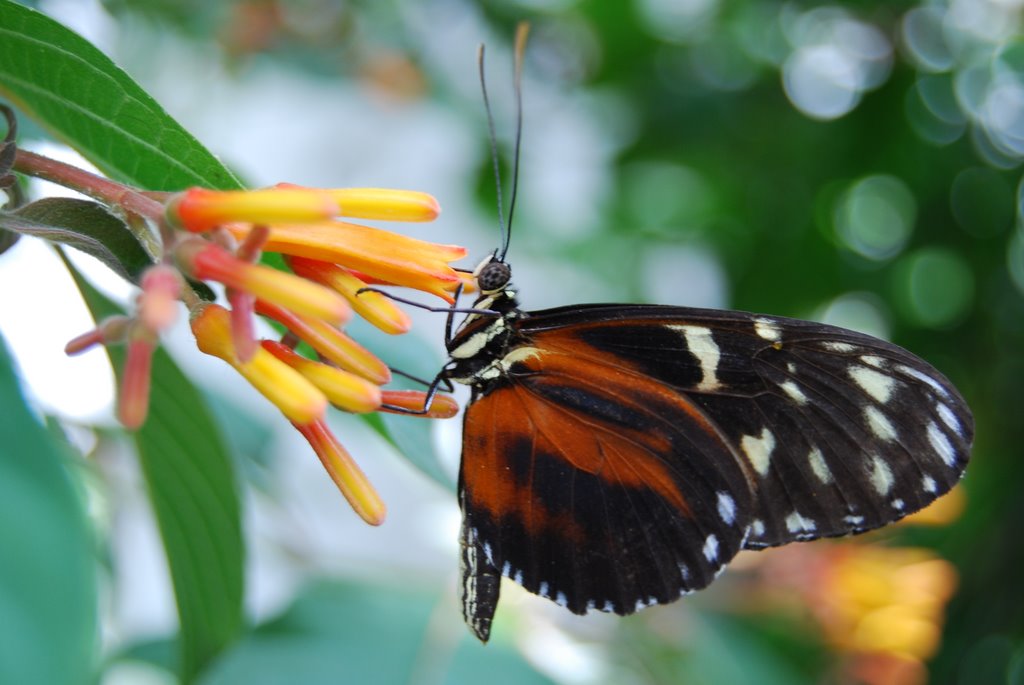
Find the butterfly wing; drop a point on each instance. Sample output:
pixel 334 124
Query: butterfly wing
pixel 593 485
pixel 843 432
pixel 625 453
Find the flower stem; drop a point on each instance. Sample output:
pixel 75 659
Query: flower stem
pixel 88 183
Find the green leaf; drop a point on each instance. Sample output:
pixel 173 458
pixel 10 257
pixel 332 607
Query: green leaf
pixel 706 651
pixel 83 98
pixel 7 147
pixel 192 487
pixel 361 633
pixel 48 618
pixel 85 225
pixel 7 240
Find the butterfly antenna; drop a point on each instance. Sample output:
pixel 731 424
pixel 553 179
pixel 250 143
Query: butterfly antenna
pixel 522 31
pixel 494 153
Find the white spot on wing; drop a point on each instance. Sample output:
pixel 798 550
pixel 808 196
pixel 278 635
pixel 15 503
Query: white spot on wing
pixel 923 377
pixel 759 450
pixel 726 508
pixel 874 383
pixel 702 345
pixel 899 504
pixel 794 391
pixel 879 423
pixel 561 599
pixel 835 346
pixel 543 590
pixel 684 571
pixel 881 476
pixel 711 548
pixel 940 443
pixel 854 520
pixel 818 465
pixel 757 528
pixel 767 329
pixel 929 484
pixel 873 360
pixel 795 523
pixel 949 418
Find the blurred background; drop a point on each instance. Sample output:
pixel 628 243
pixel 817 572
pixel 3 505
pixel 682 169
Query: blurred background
pixel 856 163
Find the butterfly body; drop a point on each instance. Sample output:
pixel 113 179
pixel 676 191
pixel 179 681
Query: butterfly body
pixel 618 456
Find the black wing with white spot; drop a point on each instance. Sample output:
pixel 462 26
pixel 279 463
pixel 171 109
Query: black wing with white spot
pixel 616 457
pixel 838 432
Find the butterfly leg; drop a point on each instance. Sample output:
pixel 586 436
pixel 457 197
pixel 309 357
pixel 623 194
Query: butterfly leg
pixel 441 380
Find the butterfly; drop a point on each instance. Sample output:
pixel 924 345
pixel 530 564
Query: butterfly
pixel 617 456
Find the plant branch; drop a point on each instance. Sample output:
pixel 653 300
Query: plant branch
pixel 97 187
pixel 133 203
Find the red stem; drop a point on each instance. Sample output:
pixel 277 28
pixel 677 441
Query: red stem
pixel 88 183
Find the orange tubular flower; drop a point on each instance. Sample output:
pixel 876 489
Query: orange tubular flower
pixel 199 209
pixel 205 260
pixel 296 397
pixel 441 407
pixel 344 390
pixel 390 257
pixel 331 261
pixel 158 303
pixel 350 480
pixel 381 203
pixel 111 330
pixel 133 399
pixel 374 307
pixel 334 345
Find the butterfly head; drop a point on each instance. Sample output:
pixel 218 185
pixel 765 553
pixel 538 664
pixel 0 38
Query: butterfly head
pixel 492 275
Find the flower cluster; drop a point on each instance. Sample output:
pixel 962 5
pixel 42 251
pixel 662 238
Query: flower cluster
pixel 221 236
pixel 884 606
pixel 881 607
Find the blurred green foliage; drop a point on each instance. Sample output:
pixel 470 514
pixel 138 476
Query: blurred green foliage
pixel 855 162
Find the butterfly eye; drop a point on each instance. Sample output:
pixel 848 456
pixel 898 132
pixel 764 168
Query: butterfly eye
pixel 493 277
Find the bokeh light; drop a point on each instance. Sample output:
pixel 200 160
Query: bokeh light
pixel 677 20
pixel 933 111
pixel 667 198
pixel 924 36
pixel 835 60
pixel 875 216
pixel 936 287
pixel 982 202
pixel 1015 259
pixel 858 311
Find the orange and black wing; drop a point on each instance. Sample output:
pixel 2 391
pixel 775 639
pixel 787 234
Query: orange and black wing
pixel 594 486
pixel 623 454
